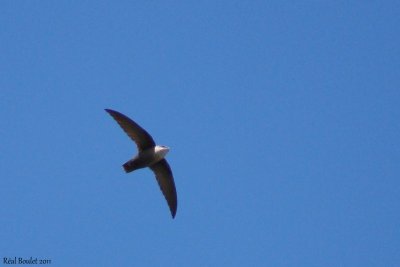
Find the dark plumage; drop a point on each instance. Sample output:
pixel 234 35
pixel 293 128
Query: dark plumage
pixel 149 155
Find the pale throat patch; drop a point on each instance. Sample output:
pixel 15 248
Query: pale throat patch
pixel 161 151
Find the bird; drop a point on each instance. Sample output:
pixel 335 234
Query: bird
pixel 149 155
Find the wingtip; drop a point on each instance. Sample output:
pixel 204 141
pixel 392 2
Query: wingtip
pixel 173 213
pixel 112 112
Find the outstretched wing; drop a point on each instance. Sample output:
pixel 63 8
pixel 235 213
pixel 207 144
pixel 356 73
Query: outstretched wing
pixel 166 182
pixel 142 138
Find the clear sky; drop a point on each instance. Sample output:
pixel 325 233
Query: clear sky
pixel 283 119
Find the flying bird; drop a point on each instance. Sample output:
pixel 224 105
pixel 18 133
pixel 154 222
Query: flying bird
pixel 149 155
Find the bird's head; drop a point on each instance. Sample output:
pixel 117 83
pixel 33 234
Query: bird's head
pixel 162 150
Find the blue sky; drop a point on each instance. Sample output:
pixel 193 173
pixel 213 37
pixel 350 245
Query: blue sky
pixel 282 118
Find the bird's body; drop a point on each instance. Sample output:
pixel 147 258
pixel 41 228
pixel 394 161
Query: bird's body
pixel 149 155
pixel 146 158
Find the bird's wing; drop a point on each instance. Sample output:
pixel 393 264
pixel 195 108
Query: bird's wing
pixel 166 182
pixel 142 138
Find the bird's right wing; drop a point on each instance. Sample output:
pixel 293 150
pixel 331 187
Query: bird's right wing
pixel 142 138
pixel 166 182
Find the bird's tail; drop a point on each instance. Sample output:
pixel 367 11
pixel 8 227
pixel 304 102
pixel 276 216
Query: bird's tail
pixel 130 166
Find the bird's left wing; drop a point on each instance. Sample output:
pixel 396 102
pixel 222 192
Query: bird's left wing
pixel 142 138
pixel 166 182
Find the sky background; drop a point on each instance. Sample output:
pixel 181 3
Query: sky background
pixel 282 118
